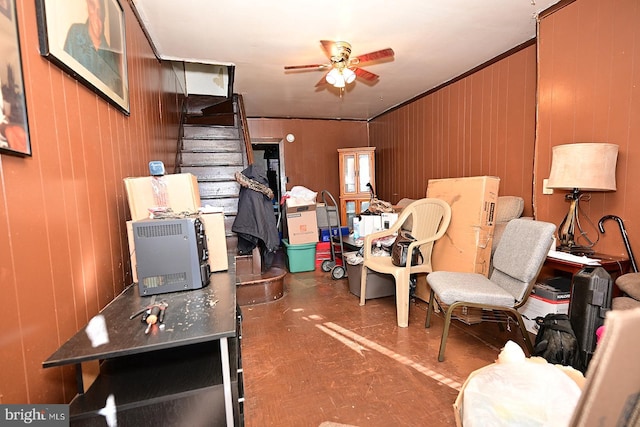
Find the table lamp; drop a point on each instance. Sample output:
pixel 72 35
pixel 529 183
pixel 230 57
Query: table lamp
pixel 578 167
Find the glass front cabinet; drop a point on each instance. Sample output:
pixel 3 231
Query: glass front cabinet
pixel 357 169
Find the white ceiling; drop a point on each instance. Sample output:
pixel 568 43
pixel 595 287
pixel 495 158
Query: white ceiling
pixel 434 41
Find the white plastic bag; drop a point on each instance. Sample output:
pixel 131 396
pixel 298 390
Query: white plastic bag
pixel 519 392
pixel 299 195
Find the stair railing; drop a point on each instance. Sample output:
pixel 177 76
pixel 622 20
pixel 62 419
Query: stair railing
pixel 244 125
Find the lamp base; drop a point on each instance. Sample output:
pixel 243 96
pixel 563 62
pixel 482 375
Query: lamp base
pixel 576 250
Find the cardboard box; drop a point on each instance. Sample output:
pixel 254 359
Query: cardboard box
pixel 422 287
pixel 610 393
pixel 178 192
pixel 216 241
pixel 302 224
pixel 466 246
pixel 537 306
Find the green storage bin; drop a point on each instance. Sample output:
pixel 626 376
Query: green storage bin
pixel 300 257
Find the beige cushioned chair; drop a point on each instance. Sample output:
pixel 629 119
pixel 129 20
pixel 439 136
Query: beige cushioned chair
pixel 507 208
pixel 430 219
pixel 516 265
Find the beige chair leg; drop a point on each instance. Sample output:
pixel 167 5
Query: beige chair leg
pixel 363 284
pixel 402 298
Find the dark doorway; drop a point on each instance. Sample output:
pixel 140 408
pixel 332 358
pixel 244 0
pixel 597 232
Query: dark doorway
pixel 269 154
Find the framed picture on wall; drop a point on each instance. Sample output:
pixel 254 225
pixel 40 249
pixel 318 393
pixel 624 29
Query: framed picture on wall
pixel 14 129
pixel 86 38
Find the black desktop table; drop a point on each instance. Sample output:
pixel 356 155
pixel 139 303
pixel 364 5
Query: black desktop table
pixel 188 372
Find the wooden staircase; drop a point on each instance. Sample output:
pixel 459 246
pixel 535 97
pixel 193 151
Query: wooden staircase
pixel 215 145
pixel 213 149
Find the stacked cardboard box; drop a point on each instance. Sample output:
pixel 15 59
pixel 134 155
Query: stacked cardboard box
pixel 301 223
pixel 179 192
pixel 466 246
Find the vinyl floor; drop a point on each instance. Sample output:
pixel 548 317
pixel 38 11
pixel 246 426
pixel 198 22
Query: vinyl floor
pixel 315 357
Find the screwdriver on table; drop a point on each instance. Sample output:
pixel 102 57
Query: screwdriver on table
pixel 152 318
pixel 156 315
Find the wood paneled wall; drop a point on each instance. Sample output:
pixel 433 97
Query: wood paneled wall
pixel 63 251
pixel 482 124
pixel 312 159
pixel 589 91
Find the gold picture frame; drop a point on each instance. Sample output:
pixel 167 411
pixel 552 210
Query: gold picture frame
pixel 86 38
pixel 14 127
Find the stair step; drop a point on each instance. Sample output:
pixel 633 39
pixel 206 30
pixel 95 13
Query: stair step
pixel 213 190
pixel 213 173
pixel 212 145
pixel 210 132
pixel 216 120
pixel 211 159
pixel 229 205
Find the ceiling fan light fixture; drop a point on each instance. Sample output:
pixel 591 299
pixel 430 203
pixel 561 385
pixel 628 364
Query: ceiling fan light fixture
pixel 349 75
pixel 335 78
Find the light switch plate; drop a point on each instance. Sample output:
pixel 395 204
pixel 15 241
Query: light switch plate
pixel 545 189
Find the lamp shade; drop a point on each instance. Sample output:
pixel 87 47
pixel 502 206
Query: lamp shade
pixel 589 166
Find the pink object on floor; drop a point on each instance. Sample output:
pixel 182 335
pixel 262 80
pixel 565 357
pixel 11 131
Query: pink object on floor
pixel 599 334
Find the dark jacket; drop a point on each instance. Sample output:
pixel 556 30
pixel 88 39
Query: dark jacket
pixel 256 218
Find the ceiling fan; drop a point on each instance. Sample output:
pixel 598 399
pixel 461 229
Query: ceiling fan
pixel 343 69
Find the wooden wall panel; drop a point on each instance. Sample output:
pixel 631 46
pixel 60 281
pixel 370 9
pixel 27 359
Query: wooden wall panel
pixel 312 159
pixel 482 124
pixel 63 251
pixel 589 91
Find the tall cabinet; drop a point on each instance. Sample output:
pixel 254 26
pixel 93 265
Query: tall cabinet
pixel 357 169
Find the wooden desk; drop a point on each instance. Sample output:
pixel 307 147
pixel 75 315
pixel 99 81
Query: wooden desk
pixel 614 265
pixel 181 375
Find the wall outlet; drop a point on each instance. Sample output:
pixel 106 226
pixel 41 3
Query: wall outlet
pixel 545 189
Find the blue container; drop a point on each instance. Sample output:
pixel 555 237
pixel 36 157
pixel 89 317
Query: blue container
pixel 324 233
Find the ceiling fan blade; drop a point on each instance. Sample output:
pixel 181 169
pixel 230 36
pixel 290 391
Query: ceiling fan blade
pixel 374 56
pixel 303 67
pixel 329 47
pixel 322 81
pixel 367 75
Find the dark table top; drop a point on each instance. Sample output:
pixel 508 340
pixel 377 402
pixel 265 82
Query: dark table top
pixel 348 243
pixel 611 263
pixel 191 317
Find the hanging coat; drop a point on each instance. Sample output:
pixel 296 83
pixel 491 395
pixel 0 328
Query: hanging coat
pixel 256 220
